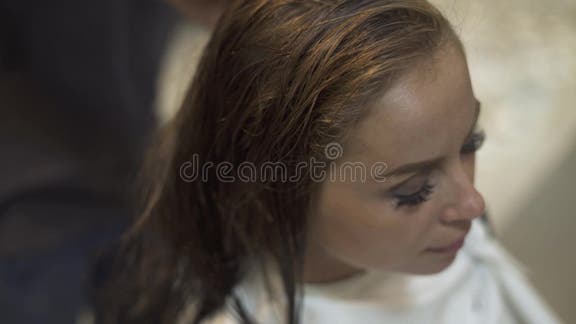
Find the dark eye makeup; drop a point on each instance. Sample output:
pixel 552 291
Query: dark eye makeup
pixel 473 144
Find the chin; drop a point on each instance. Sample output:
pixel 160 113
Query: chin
pixel 435 270
pixel 429 267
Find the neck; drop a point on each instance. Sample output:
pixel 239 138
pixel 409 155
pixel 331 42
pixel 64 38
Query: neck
pixel 321 267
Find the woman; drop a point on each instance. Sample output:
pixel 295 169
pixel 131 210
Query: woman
pixel 367 109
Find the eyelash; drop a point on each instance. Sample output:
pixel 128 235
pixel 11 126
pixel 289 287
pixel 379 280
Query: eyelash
pixel 416 198
pixel 474 144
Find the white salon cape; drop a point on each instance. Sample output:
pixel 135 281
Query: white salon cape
pixel 484 285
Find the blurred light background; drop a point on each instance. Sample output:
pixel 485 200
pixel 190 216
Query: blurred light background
pixel 522 58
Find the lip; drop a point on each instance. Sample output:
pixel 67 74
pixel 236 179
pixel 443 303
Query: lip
pixel 454 247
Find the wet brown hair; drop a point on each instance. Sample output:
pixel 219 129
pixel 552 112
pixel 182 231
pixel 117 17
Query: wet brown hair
pixel 278 80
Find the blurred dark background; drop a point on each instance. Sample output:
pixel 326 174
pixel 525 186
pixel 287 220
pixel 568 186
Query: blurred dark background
pixel 77 93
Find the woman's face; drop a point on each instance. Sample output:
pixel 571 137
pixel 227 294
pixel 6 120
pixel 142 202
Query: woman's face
pixel 427 121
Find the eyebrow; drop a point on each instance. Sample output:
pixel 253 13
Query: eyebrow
pixel 431 163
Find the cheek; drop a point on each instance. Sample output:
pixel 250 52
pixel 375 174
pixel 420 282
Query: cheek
pixel 367 233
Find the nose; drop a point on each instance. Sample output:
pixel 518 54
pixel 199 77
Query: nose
pixel 467 202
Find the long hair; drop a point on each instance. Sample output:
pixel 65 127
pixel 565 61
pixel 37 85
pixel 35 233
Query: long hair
pixel 278 81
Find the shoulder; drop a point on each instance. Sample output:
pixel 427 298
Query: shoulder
pixel 223 316
pixel 253 296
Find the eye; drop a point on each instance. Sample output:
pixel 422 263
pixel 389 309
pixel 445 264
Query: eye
pixel 474 142
pixel 415 198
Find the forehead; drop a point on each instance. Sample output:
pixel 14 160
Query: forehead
pixel 425 114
